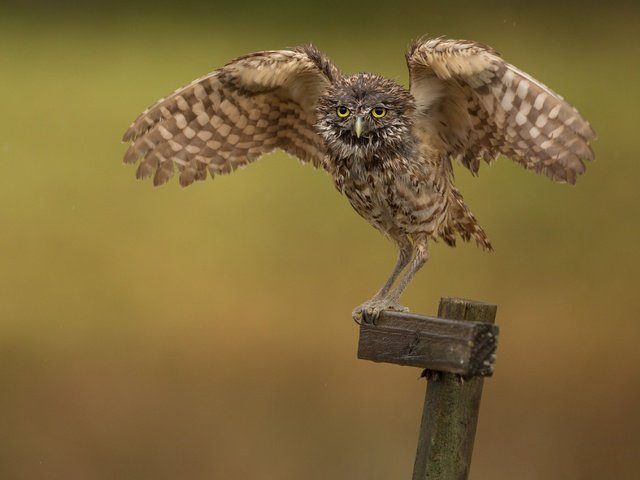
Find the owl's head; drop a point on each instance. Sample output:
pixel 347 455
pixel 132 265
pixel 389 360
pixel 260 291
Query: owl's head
pixel 361 114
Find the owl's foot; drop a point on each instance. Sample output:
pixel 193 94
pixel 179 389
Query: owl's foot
pixel 369 311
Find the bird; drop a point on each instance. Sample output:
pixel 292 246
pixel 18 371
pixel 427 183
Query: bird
pixel 389 149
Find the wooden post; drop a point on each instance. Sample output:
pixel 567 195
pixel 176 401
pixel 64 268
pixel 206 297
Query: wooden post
pixel 458 350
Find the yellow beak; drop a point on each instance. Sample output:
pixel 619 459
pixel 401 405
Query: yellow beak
pixel 359 126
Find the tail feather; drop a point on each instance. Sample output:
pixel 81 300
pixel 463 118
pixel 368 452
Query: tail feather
pixel 462 222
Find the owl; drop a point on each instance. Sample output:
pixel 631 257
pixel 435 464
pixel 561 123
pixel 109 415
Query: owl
pixel 388 149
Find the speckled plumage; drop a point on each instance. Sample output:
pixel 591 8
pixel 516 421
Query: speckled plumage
pixel 464 102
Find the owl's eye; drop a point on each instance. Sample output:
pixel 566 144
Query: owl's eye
pixel 342 111
pixel 378 112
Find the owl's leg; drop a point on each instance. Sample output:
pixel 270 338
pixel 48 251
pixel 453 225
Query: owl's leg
pixel 371 308
pixel 420 257
pixel 404 257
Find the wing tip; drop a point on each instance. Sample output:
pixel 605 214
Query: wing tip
pixel 130 156
pixel 128 136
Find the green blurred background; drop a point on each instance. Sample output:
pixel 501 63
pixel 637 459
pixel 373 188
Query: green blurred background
pixel 205 332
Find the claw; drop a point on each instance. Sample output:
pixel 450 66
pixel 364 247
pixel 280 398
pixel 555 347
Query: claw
pixel 369 312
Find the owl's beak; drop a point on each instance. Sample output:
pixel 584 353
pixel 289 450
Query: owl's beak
pixel 358 127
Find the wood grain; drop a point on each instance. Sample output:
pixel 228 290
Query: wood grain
pixel 446 345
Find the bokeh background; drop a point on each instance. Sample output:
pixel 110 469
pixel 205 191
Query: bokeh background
pixel 205 332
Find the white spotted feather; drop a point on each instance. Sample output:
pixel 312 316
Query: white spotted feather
pixel 231 117
pixel 483 106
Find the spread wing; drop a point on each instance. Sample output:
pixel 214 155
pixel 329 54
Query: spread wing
pixel 234 115
pixel 478 106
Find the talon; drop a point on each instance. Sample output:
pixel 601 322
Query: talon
pixel 368 312
pixel 362 316
pixel 370 317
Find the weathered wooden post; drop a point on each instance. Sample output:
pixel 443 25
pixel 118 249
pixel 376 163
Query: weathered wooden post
pixel 457 349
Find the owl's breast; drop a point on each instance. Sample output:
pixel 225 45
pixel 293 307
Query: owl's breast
pixel 396 197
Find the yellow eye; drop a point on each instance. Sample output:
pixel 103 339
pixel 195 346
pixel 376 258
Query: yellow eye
pixel 342 111
pixel 378 112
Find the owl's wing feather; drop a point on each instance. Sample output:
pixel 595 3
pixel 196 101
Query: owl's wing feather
pixel 478 106
pixel 232 116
